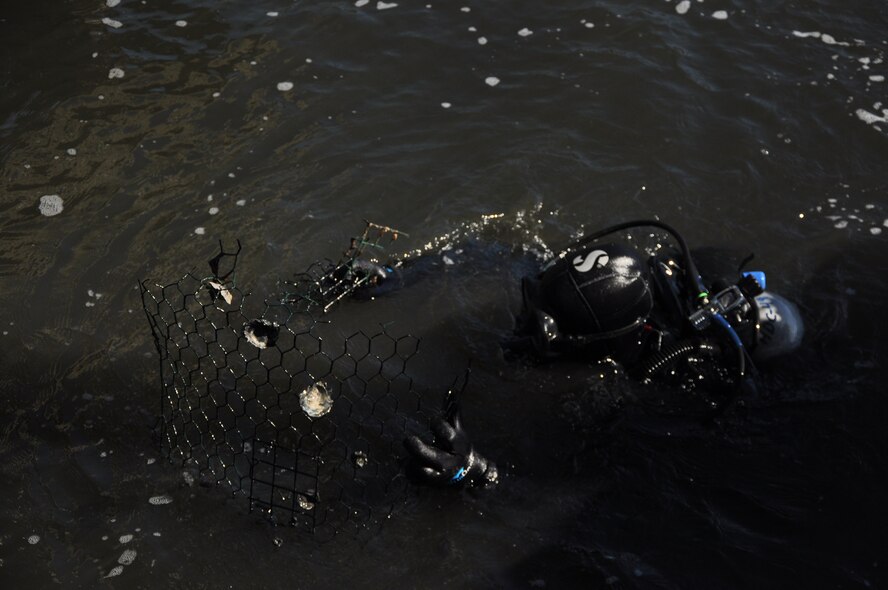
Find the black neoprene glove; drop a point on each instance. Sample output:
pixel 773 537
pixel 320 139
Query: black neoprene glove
pixel 450 459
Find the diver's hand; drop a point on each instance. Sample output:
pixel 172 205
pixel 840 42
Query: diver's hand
pixel 450 459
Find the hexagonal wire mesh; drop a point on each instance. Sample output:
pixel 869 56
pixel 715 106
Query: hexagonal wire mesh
pixel 279 406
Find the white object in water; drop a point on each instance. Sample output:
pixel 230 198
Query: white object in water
pixel 315 400
pixel 51 205
pixel 781 327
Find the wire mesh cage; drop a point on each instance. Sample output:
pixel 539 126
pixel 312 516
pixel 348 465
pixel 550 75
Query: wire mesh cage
pixel 278 403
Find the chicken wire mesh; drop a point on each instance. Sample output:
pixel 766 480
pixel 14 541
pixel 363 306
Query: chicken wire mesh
pixel 273 400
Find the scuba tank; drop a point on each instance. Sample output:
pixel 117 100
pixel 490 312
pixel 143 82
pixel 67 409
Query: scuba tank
pixel 654 315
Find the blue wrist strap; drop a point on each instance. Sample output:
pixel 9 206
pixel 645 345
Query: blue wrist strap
pixel 460 475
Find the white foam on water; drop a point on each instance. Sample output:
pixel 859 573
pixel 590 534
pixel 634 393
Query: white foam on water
pixel 491 81
pixel 272 13
pixel 214 210
pixel 525 32
pixel 482 40
pixel 446 105
pixel 127 557
pixel 241 202
pixel 33 539
pixel 841 224
pixel 51 205
pixel 720 15
pixel 877 78
pixel 150 461
pixel 590 25
pixel 111 3
pixel 114 24
pixel 683 7
pixel 869 118
pixel 360 3
pixel 285 86
pixel 472 30
pixel 875 230
pixel 160 500
pixel 804 34
pixel 386 5
pixel 115 73
pixel 200 230
pixel 115 571
pixel 124 539
pixel 465 9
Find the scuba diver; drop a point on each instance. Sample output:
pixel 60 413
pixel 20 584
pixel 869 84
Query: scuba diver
pixel 657 316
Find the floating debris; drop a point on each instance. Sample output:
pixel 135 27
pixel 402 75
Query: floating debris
pixel 272 14
pixel 114 24
pixel 124 539
pixel 112 3
pixel 160 500
pixel 525 32
pixel 71 151
pixel 261 333
pixel 359 458
pixel 127 557
pixel 446 105
pixel 285 86
pixel 33 539
pixel 200 230
pixel 720 15
pixel 482 40
pixel 491 81
pixel 217 289
pixel 115 73
pixel 386 5
pixel 51 205
pixel 241 202
pixel 115 571
pixel 360 3
pixel 683 7
pixel 315 400
pixel 181 23
pixel 304 502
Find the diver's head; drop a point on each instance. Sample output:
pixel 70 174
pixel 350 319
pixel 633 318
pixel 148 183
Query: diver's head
pixel 593 301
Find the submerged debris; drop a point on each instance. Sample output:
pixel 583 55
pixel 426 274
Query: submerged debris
pixel 261 333
pixel 315 400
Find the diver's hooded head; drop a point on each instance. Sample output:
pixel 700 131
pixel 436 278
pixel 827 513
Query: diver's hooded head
pixel 592 302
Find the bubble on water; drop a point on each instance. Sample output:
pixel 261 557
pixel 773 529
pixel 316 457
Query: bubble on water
pixel 491 81
pixel 315 400
pixel 482 40
pixel 446 105
pixel 51 205
pixel 71 152
pixel 842 224
pixel 200 230
pixel 181 23
pixel 877 78
pixel 213 210
pixel 285 86
pixel 525 32
pixel 33 539
pixel 272 13
pixel 150 461
pixel 112 3
pixel 160 500
pixel 683 6
pixel 386 5
pixel 115 73
pixel 241 202
pixel 875 230
pixel 115 571
pixel 804 34
pixel 114 24
pixel 360 3
pixel 720 15
pixel 885 223
pixel 127 557
pixel 124 539
pixel 589 25
pixel 465 9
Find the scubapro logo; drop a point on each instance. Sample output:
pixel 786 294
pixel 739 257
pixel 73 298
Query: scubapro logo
pixel 593 259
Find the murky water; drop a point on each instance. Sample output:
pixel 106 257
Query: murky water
pixel 136 134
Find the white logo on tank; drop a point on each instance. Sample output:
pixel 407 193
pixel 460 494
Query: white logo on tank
pixel 593 259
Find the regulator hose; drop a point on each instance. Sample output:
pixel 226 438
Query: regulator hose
pixel 663 357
